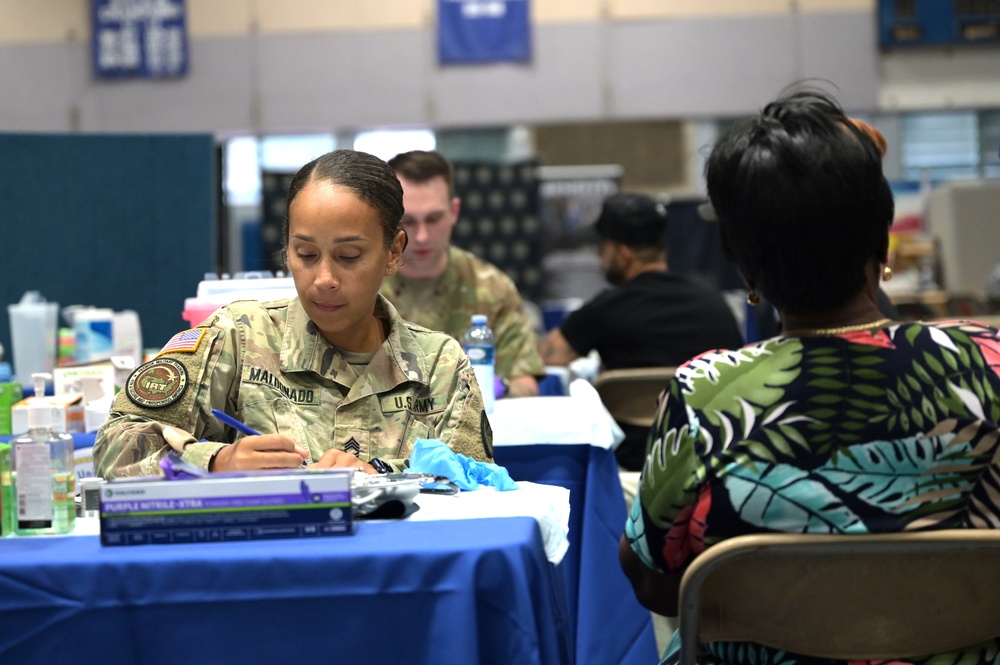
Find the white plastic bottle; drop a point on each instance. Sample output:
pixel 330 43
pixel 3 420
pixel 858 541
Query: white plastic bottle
pixel 481 348
pixel 42 474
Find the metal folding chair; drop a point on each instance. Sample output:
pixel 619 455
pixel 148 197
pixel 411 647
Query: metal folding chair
pixel 864 597
pixel 630 394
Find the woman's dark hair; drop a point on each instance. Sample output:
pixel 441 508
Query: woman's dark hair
pixel 370 178
pixel 802 203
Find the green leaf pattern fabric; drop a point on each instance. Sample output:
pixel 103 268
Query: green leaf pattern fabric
pixel 887 430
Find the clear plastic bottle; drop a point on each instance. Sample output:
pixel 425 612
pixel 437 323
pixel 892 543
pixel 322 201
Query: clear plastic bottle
pixel 6 492
pixel 10 394
pixel 481 348
pixel 42 473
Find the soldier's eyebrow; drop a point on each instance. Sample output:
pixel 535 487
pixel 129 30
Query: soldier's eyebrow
pixel 306 238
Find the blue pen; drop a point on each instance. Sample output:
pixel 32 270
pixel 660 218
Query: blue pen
pixel 235 424
pixel 222 416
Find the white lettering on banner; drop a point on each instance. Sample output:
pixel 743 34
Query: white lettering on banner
pixel 164 49
pixel 129 11
pixel 484 9
pixel 138 35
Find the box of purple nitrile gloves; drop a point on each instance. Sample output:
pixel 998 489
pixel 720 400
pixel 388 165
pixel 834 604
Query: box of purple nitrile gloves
pixel 254 506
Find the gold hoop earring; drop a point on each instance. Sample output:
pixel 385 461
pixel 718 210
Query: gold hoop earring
pixel 886 273
pixel 752 298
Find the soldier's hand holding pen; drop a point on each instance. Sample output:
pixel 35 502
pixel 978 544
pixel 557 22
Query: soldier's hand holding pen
pixel 256 450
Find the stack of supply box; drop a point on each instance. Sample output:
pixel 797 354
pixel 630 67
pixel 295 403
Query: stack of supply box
pixel 227 506
pixel 215 293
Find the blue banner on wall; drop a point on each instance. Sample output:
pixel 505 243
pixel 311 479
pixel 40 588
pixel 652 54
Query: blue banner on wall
pixel 139 38
pixel 473 31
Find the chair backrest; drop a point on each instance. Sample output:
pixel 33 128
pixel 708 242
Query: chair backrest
pixel 864 597
pixel 630 394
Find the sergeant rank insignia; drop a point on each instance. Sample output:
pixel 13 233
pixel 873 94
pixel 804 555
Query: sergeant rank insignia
pixel 157 384
pixel 352 446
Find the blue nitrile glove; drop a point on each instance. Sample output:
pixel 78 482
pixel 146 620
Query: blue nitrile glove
pixel 435 457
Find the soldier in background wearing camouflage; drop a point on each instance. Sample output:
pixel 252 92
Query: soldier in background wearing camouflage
pixel 333 377
pixel 441 286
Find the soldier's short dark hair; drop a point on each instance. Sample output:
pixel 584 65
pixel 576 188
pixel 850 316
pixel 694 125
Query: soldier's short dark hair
pixel 424 165
pixel 370 178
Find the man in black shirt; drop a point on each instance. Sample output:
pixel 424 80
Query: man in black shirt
pixel 650 317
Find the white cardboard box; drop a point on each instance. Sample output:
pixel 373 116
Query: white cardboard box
pixel 67 413
pixel 94 382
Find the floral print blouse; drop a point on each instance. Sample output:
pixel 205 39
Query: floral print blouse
pixel 891 429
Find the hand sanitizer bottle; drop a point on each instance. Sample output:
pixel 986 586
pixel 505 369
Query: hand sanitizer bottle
pixel 42 472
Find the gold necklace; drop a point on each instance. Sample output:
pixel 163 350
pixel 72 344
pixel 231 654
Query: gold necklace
pixel 833 332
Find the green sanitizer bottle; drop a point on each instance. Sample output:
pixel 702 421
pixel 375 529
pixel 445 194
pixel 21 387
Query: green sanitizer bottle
pixel 42 472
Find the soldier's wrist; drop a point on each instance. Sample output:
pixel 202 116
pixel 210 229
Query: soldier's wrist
pixel 220 460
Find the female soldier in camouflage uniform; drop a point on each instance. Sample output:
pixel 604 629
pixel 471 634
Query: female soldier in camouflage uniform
pixel 333 376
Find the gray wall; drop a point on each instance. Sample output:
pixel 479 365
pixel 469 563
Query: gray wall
pixel 603 70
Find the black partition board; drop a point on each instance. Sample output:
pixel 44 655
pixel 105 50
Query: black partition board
pixel 119 221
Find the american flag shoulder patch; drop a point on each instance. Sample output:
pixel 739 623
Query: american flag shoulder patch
pixel 184 342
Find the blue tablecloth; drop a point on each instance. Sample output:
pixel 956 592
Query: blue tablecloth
pixel 610 624
pixel 465 591
pixel 607 623
pixel 84 440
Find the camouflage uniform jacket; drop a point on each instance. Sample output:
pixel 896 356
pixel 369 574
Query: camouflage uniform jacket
pixel 265 364
pixel 471 286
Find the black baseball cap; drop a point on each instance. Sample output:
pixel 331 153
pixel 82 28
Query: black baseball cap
pixel 632 219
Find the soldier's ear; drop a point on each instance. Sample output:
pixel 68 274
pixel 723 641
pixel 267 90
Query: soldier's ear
pixel 396 251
